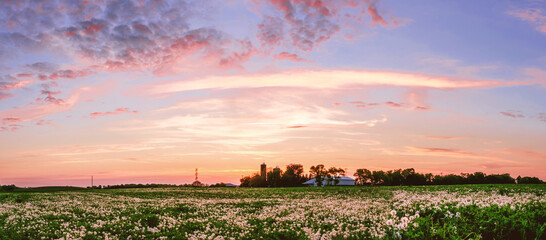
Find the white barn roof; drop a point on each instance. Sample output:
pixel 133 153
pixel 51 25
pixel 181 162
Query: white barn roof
pixel 343 181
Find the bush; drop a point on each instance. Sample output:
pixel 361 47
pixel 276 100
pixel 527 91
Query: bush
pixel 8 187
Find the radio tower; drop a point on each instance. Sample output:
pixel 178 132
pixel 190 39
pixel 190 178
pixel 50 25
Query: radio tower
pixel 196 183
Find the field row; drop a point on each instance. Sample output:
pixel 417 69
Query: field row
pixel 471 212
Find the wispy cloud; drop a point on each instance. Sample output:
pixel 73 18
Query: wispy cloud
pixel 115 112
pixel 513 114
pixel 250 119
pixel 290 56
pixel 34 112
pixel 320 79
pixel 443 137
pixel 535 16
pixel 446 152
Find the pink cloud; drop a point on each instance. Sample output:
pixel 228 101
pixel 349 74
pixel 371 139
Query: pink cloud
pixel 444 151
pixel 10 124
pixel 513 114
pixel 42 67
pixel 536 76
pixel 318 79
pixel 24 75
pixel 69 74
pixel 121 36
pixel 10 120
pixel 34 112
pixel 271 31
pixel 535 16
pixel 305 24
pixel 115 112
pixel 517 114
pixel 5 96
pixel 442 137
pixel 393 104
pixel 11 127
pixel 417 98
pixel 542 117
pixel 234 59
pixel 43 122
pixel 527 153
pixel 376 18
pixel 290 56
pixel 422 108
pixel 48 95
pixel 360 104
pixel 4 86
pixel 297 126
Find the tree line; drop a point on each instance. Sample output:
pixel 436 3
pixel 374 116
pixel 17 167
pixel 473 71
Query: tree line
pixel 294 176
pixel 410 177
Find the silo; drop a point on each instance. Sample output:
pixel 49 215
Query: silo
pixel 263 170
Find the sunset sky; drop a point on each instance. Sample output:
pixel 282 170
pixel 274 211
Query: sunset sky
pixel 147 91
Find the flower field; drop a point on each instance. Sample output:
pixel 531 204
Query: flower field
pixel 431 212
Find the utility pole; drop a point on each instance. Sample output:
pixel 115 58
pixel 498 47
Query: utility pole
pixel 92 182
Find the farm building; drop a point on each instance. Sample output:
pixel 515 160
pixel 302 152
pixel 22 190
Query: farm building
pixel 343 181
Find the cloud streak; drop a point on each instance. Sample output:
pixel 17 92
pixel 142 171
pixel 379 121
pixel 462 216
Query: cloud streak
pixel 290 57
pixel 535 16
pixel 444 152
pixel 513 114
pixel 115 112
pixel 320 79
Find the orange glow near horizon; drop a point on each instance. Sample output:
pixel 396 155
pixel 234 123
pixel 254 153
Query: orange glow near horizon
pixel 148 95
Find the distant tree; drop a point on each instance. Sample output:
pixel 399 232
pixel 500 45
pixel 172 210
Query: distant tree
pixel 499 178
pixel 363 176
pixel 450 179
pixel 394 178
pixel 245 181
pixel 293 176
pixel 257 181
pixel 413 178
pixel 333 175
pixel 474 178
pixel 319 173
pixel 378 177
pixel 274 178
pixel 429 178
pixel 8 187
pixel 529 180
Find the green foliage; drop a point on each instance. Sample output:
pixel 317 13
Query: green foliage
pixel 409 177
pixel 529 180
pixel 493 212
pixel 527 222
pixel 8 188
